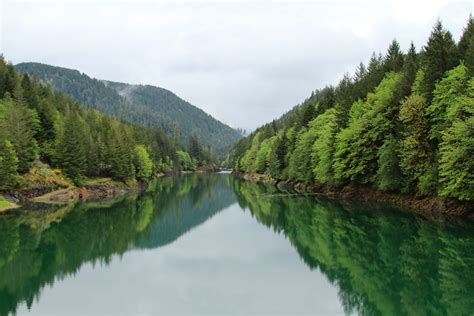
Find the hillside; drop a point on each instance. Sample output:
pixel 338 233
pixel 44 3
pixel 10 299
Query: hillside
pixel 402 124
pixel 40 128
pixel 143 104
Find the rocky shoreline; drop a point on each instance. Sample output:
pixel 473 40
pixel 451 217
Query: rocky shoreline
pixel 428 205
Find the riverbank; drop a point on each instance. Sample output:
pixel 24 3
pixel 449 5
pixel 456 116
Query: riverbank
pixel 6 205
pixel 43 184
pixel 429 205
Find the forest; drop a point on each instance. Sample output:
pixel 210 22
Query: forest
pixel 403 123
pixel 40 126
pixel 146 105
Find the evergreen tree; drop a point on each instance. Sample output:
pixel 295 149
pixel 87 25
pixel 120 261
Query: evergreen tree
pixel 8 164
pixel 409 71
pixel 466 40
pixel 394 59
pixel 20 125
pixel 70 150
pixel 439 56
pixel 119 153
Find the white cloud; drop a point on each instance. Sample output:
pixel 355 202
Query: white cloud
pixel 245 62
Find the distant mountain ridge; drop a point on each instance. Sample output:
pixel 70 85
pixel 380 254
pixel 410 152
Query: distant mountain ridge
pixel 146 105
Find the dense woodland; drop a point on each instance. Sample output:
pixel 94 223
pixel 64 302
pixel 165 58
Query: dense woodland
pixel 38 124
pixel 141 104
pixel 402 123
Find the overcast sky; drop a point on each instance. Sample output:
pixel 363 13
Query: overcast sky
pixel 244 62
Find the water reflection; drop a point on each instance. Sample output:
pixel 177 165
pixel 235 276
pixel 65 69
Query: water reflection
pixel 381 261
pixel 52 242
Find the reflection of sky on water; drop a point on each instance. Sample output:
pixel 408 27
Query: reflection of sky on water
pixel 230 264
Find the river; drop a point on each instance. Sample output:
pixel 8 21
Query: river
pixel 214 244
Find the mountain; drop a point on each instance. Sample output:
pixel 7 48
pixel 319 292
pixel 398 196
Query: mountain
pixel 142 104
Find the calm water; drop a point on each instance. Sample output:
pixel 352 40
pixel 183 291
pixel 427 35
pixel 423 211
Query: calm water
pixel 212 244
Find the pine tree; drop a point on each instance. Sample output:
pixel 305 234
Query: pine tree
pixel 409 71
pixel 119 153
pixel 394 59
pixel 439 56
pixel 466 39
pixel 70 151
pixel 8 164
pixel 21 124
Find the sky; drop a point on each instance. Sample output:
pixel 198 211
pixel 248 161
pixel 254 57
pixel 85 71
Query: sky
pixel 243 62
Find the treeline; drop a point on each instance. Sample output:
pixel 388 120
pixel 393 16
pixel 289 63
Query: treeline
pixel 146 105
pixel 403 123
pixel 37 123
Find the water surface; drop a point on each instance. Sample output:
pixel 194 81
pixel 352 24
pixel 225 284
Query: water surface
pixel 213 244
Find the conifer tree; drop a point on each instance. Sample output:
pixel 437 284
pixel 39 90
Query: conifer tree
pixel 70 150
pixel 466 40
pixel 20 125
pixel 409 70
pixel 394 59
pixel 8 164
pixel 440 55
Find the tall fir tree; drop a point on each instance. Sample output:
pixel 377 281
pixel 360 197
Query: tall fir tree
pixel 440 55
pixel 393 61
pixel 71 150
pixel 8 164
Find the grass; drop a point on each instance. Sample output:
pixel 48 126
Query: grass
pixel 5 205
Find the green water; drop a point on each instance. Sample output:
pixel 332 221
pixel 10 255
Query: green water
pixel 212 244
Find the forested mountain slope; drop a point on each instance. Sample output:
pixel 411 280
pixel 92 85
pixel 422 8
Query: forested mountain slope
pixel 404 123
pixel 40 126
pixel 143 104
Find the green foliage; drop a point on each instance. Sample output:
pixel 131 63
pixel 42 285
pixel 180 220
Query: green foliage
pixel 388 177
pixel 20 124
pixel 457 148
pixel 186 163
pixel 357 145
pixel 264 154
pixel 8 164
pixel 415 151
pixel 70 150
pixel 299 167
pixel 403 124
pixel 322 151
pixel 149 106
pixel 466 45
pixel 143 163
pixel 440 55
pixel 46 125
pixel 447 91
